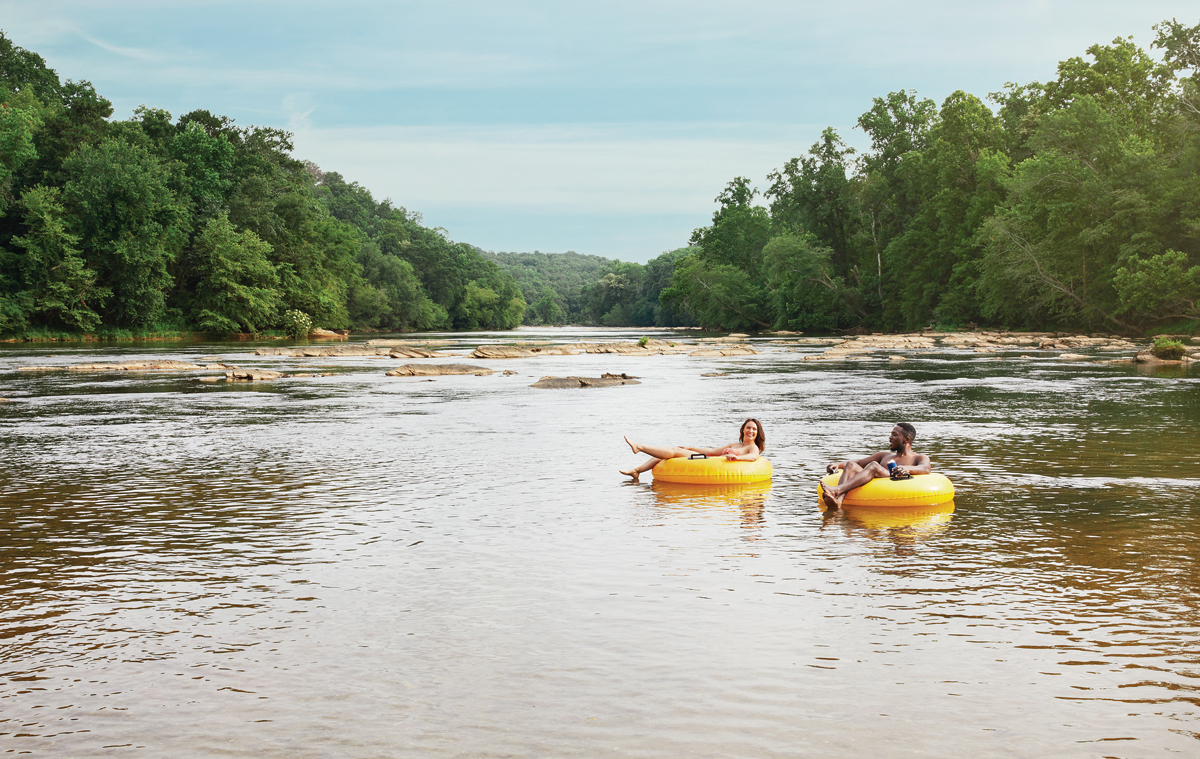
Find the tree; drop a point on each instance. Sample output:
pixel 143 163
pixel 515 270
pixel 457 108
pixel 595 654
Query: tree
pixel 237 289
pixel 130 225
pixel 61 285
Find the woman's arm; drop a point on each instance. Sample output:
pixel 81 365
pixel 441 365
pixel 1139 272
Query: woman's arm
pixel 741 452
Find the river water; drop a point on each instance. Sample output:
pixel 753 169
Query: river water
pixel 364 566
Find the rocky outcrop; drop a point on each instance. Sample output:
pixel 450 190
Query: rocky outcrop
pixel 725 350
pixel 438 370
pixel 252 375
pixel 518 351
pixel 137 366
pixel 314 351
pixel 651 348
pixel 410 351
pixel 328 334
pixel 606 380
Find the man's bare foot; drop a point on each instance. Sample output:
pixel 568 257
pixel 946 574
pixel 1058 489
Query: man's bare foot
pixel 832 502
pixel 632 445
pixel 631 473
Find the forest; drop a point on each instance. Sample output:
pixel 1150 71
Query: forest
pixel 1072 203
pixel 155 225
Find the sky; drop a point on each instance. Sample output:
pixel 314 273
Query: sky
pixel 606 128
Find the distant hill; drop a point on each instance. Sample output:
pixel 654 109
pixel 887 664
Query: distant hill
pixel 566 275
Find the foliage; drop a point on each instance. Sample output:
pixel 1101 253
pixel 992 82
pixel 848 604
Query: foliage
pixel 119 227
pixel 1166 348
pixel 297 323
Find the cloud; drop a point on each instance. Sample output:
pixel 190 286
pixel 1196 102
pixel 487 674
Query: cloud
pixel 137 54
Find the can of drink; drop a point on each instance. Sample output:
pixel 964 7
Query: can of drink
pixel 891 467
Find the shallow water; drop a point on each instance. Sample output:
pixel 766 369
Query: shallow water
pixel 365 566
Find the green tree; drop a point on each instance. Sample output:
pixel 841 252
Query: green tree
pixel 237 289
pixel 130 225
pixel 62 287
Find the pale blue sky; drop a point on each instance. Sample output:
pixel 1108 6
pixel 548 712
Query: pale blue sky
pixel 603 128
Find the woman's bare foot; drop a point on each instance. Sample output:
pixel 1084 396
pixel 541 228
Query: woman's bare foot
pixel 632 445
pixel 631 473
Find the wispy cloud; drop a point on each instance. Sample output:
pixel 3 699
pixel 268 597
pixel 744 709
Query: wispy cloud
pixel 133 53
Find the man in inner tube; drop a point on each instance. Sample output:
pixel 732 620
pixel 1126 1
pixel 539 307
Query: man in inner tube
pixel 858 473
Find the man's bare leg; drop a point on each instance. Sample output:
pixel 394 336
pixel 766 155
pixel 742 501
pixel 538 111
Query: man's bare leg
pixel 853 476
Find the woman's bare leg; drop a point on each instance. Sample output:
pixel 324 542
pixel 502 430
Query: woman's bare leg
pixel 650 464
pixel 659 451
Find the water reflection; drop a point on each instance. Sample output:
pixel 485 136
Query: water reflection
pixel 749 500
pixel 903 527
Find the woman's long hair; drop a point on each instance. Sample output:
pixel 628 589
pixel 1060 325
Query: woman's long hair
pixel 760 440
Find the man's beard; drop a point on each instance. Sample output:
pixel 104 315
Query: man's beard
pixel 898 448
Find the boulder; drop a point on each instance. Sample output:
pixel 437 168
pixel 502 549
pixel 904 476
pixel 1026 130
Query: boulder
pixel 328 334
pixel 608 380
pixel 438 370
pixel 40 368
pixel 897 358
pixel 1073 356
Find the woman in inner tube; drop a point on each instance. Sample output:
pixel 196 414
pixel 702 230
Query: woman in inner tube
pixel 752 441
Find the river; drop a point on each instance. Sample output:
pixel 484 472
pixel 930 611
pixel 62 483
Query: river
pixel 365 566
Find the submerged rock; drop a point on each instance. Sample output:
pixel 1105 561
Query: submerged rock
pixel 608 380
pixel 438 370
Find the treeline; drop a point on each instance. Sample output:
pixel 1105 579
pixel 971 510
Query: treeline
pixel 1074 202
pixel 154 224
pixel 570 288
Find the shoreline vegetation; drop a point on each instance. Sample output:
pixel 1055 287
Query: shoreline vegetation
pixel 1071 204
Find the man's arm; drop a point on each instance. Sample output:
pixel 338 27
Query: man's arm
pixel 922 466
pixel 861 462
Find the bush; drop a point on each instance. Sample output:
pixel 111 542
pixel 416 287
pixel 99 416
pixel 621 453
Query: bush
pixel 297 323
pixel 642 341
pixel 1167 349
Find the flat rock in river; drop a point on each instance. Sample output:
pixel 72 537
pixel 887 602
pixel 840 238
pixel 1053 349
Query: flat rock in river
pixel 438 370
pixel 608 380
pixel 137 366
pixel 727 350
pixel 517 351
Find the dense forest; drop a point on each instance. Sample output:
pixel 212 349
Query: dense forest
pixel 1073 203
pixel 1076 202
pixel 160 225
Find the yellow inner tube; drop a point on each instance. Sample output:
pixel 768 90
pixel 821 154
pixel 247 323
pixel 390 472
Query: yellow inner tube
pixel 714 470
pixel 921 490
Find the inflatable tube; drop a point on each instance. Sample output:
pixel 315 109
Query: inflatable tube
pixel 714 470
pixel 921 490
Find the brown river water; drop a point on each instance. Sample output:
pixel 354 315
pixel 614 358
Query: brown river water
pixel 365 566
